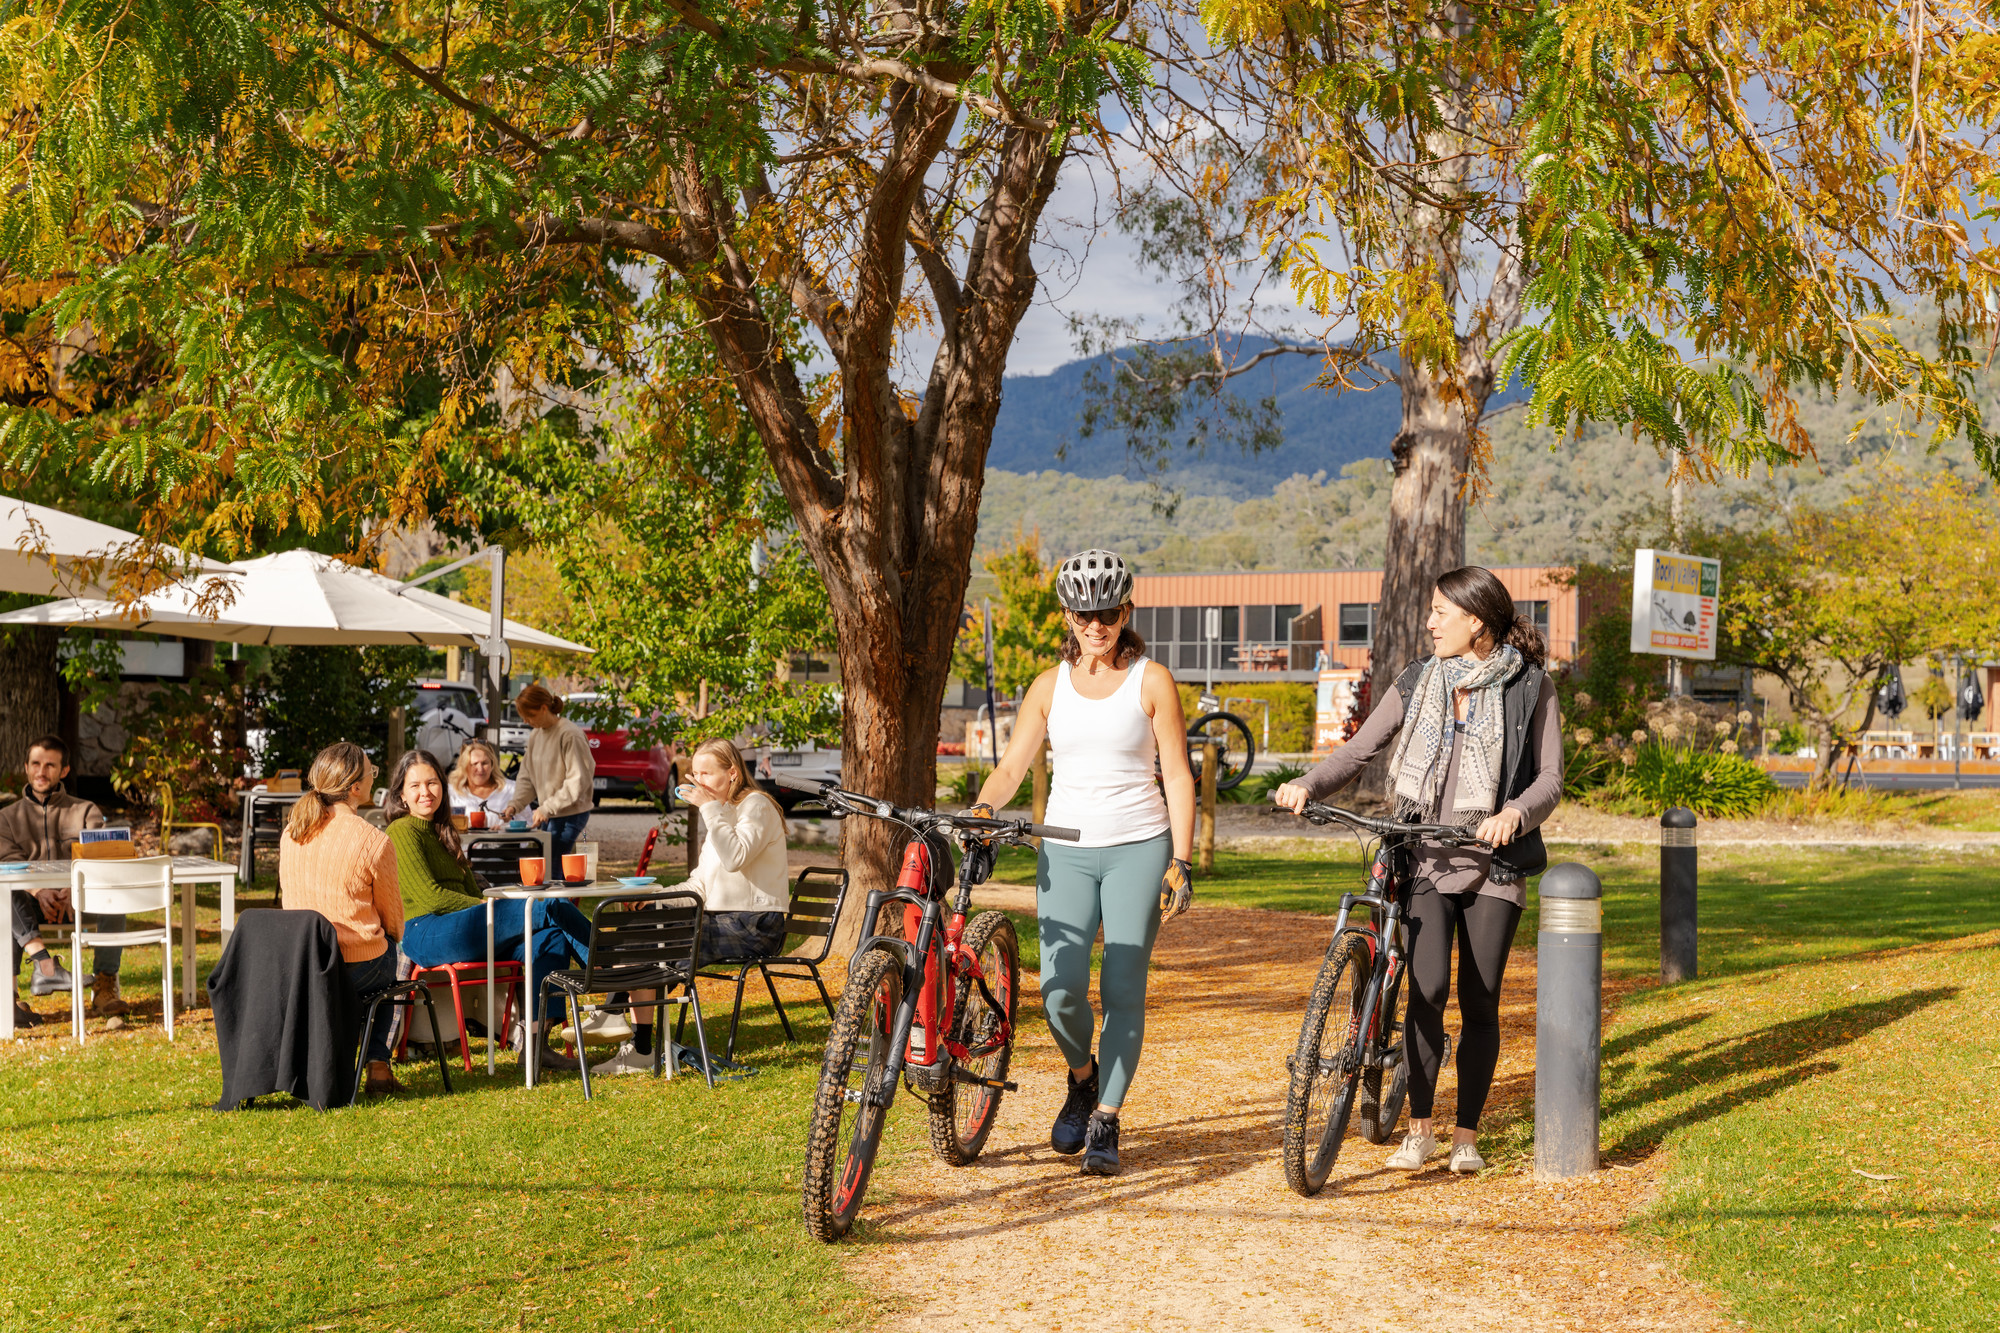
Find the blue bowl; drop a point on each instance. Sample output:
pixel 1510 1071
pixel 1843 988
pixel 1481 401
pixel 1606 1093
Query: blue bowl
pixel 638 881
pixel 14 868
pixel 517 826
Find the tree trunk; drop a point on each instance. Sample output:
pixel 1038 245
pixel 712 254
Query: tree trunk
pixel 30 693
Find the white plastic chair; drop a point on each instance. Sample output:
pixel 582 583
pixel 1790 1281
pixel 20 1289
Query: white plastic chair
pixel 138 884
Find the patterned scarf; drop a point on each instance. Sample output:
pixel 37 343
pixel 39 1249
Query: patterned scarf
pixel 1423 748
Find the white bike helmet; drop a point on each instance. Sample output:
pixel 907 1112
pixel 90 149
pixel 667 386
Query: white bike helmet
pixel 1094 581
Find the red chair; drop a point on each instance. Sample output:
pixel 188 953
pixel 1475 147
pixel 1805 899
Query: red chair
pixel 506 972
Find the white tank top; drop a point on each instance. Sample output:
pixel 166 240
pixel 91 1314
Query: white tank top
pixel 1103 781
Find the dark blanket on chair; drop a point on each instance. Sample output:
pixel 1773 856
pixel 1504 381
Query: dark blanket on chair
pixel 285 1012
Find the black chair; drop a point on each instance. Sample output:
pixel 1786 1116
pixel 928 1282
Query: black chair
pixel 397 995
pixel 638 942
pixel 496 857
pixel 817 896
pixel 263 826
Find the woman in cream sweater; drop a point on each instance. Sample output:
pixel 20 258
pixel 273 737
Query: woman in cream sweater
pixel 740 876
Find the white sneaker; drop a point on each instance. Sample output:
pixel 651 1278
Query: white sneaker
pixel 1465 1159
pixel 600 1026
pixel 1416 1150
pixel 627 1061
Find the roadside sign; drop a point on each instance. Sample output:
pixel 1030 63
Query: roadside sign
pixel 1673 603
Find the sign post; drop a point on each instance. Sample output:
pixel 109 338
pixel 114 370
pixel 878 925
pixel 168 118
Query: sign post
pixel 1674 605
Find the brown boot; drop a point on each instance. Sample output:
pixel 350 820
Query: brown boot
pixel 381 1080
pixel 104 1001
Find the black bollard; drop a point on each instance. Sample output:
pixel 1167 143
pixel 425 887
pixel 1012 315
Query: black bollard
pixel 1678 881
pixel 1569 981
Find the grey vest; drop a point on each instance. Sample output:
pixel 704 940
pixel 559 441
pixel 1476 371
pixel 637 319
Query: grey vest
pixel 1526 855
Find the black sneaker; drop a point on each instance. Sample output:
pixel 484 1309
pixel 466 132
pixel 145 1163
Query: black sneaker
pixel 1067 1135
pixel 1100 1156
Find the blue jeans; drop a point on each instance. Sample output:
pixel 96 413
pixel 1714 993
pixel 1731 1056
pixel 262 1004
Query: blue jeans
pixel 373 975
pixel 561 933
pixel 564 830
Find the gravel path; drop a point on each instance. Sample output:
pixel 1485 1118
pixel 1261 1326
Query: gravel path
pixel 1200 1231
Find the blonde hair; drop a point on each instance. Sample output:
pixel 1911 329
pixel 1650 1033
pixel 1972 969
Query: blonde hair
pixel 540 699
pixel 333 774
pixel 724 752
pixel 460 774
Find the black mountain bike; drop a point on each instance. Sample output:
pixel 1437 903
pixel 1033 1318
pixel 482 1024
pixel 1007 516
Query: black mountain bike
pixel 934 1008
pixel 1352 1039
pixel 1235 749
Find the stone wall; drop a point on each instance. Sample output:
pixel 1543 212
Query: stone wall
pixel 102 735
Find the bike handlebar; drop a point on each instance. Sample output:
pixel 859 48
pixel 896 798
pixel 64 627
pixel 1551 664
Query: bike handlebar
pixel 1316 813
pixel 854 802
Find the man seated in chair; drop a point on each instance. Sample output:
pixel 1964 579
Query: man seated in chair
pixel 40 827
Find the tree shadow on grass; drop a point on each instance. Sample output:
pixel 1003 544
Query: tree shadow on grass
pixel 1792 1052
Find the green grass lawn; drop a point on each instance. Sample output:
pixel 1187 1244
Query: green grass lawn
pixel 660 1205
pixel 1836 1029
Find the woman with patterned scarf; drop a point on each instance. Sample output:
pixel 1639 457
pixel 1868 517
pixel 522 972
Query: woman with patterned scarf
pixel 1478 744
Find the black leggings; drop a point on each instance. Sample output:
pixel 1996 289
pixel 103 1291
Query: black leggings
pixel 1484 926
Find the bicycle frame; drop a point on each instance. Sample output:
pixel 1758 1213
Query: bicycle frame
pixel 920 1041
pixel 1388 878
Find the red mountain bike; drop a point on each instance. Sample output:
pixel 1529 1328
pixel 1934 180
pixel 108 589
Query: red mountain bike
pixel 934 1008
pixel 1353 1036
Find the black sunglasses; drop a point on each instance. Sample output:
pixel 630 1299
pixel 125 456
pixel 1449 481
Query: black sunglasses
pixel 1108 619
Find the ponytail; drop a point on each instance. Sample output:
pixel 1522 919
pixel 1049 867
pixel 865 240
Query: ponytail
pixel 540 699
pixel 1479 593
pixel 333 774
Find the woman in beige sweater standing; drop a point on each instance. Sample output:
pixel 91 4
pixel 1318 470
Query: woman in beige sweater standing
pixel 334 862
pixel 557 773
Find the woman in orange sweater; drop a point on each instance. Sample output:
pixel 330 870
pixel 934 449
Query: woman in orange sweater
pixel 334 862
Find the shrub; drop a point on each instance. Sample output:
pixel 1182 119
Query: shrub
pixel 1712 785
pixel 1259 787
pixel 962 786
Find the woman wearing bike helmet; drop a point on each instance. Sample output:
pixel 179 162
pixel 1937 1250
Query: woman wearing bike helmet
pixel 1108 711
pixel 1478 745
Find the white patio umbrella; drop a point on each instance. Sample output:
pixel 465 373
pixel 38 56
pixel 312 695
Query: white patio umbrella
pixel 477 622
pixel 48 553
pixel 297 597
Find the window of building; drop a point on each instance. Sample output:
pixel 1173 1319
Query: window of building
pixel 1357 624
pixel 1176 635
pixel 1535 613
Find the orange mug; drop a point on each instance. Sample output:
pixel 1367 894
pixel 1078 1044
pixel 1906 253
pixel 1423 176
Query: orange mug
pixel 576 867
pixel 531 871
pixel 475 818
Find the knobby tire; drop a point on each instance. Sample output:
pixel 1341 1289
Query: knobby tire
pixel 840 1148
pixel 962 1115
pixel 1327 1064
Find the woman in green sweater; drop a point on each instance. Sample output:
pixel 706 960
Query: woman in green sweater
pixel 444 916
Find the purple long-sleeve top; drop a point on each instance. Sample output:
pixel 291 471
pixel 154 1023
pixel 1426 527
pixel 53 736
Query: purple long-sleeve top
pixel 1455 869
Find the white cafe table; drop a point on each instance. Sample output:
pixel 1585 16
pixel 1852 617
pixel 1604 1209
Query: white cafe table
pixel 596 889
pixel 188 872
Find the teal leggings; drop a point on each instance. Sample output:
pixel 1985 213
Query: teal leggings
pixel 1079 888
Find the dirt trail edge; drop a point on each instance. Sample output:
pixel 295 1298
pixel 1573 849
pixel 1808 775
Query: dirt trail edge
pixel 1200 1230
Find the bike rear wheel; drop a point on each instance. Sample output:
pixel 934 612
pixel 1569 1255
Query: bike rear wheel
pixel 1383 1094
pixel 854 1095
pixel 962 1114
pixel 1236 750
pixel 1326 1066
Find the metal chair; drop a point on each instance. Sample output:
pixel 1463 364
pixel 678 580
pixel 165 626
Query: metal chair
pixel 817 896
pixel 112 888
pixel 264 816
pixel 638 942
pixel 506 972
pixel 496 857
pixel 397 995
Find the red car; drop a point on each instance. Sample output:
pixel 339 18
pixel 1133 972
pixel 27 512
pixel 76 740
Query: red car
pixel 621 769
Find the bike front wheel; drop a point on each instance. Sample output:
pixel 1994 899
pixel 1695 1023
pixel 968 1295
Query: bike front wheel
pixel 1327 1064
pixel 962 1114
pixel 855 1090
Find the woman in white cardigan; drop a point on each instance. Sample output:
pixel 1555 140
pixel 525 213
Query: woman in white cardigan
pixel 740 876
pixel 740 873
